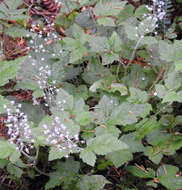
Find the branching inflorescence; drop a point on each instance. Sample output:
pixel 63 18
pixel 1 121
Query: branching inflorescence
pixel 163 11
pixel 58 136
pixel 19 130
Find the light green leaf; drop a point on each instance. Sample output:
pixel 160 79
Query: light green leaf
pixel 125 14
pixel 128 113
pixel 105 108
pixel 161 90
pixel 109 8
pixel 69 6
pixel 88 157
pixel 173 80
pixel 172 97
pixel 131 31
pixel 140 11
pixel 38 93
pixel 134 144
pixel 145 127
pixel 3 163
pixel 107 130
pixel 167 177
pixel 115 42
pixel 14 170
pixel 77 54
pixel 120 157
pixel 119 87
pixel 54 154
pixel 8 150
pixel 170 52
pixel 106 21
pixel 97 85
pixel 54 180
pixel 162 137
pixel 98 44
pixel 93 182
pixel 71 44
pixel 83 118
pixel 137 96
pixel 94 72
pixel 15 32
pixel 106 143
pixel 8 69
pixel 149 173
pixel 109 58
pixel 153 155
pixel 64 101
pixel 13 5
pixel 149 40
pixel 178 65
pixel 77 31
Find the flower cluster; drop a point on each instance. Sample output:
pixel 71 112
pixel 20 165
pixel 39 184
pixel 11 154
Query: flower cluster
pixel 158 9
pixel 19 130
pixel 57 135
pixel 48 89
pixel 162 10
pixel 40 54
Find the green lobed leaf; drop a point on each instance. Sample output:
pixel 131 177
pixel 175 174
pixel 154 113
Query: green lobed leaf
pixel 106 143
pixel 54 154
pixel 88 156
pixel 54 180
pixel 170 52
pixel 149 173
pixel 8 69
pixel 98 44
pixel 173 80
pixel 146 126
pixel 134 144
pixel 109 8
pixel 178 65
pixel 64 101
pixel 149 40
pixel 126 113
pixel 120 157
pixel 106 21
pixel 167 177
pixel 137 96
pixel 9 150
pixel 109 58
pixel 107 130
pixel 140 11
pixel 154 155
pixel 14 170
pixel 77 54
pixel 131 31
pixel 94 72
pixel 93 182
pixel 105 108
pixel 125 14
pixel 65 175
pixel 15 32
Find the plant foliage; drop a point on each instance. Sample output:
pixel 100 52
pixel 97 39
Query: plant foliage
pixel 90 99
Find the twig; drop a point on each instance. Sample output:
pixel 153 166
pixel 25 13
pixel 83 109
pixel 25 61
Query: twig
pixel 159 76
pixel 41 172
